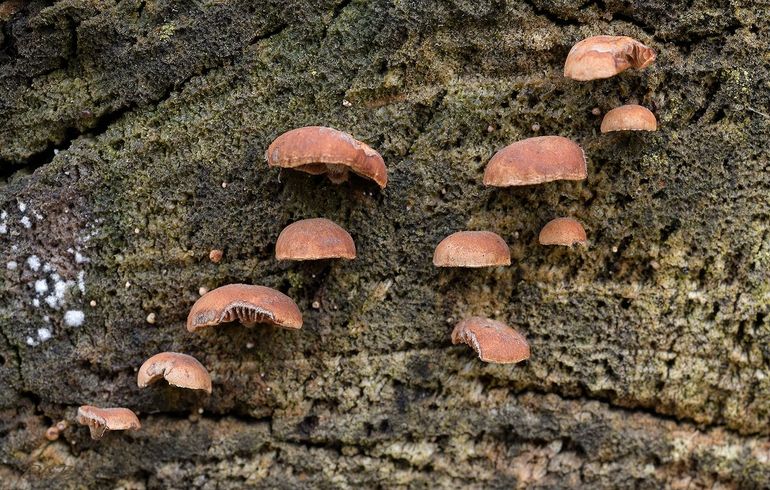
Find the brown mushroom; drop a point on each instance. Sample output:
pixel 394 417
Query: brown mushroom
pixel 100 420
pixel 179 370
pixel 536 160
pixel 629 117
pixel 244 303
pixel 52 433
pixel 472 249
pixel 216 255
pixel 605 56
pixel 563 231
pixel 493 341
pixel 320 150
pixel 313 239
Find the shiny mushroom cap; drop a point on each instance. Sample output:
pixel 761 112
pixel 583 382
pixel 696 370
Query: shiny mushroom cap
pixel 179 370
pixel 493 341
pixel 314 239
pixel 629 117
pixel 606 56
pixel 320 150
pixel 244 303
pixel 472 249
pixel 536 160
pixel 563 231
pixel 100 420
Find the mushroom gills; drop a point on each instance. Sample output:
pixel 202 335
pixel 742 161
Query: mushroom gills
pixel 248 315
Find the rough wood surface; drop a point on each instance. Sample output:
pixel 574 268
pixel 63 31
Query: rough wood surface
pixel 120 121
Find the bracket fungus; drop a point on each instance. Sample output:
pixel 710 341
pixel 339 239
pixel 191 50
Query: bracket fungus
pixel 314 239
pixel 493 341
pixel 563 231
pixel 244 303
pixel 535 161
pixel 629 117
pixel 179 370
pixel 472 249
pixel 606 56
pixel 320 150
pixel 100 420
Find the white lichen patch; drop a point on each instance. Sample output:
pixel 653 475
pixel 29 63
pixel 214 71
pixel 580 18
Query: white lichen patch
pixel 41 286
pixel 33 262
pixel 55 280
pixel 74 318
pixel 43 334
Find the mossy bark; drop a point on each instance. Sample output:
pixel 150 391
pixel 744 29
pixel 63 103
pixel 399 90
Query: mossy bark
pixel 132 142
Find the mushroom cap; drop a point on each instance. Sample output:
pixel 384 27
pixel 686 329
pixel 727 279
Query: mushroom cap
pixel 245 303
pixel 605 56
pixel 100 420
pixel 313 239
pixel 179 370
pixel 317 150
pixel 563 231
pixel 536 160
pixel 629 117
pixel 493 341
pixel 472 249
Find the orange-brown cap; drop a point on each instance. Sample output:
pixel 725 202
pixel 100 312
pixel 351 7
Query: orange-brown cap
pixel 178 369
pixel 605 56
pixel 472 249
pixel 100 420
pixel 563 231
pixel 493 341
pixel 245 303
pixel 318 150
pixel 313 239
pixel 536 160
pixel 629 117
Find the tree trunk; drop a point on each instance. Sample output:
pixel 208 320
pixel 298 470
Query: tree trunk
pixel 132 141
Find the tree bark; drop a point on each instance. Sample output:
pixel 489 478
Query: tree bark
pixel 132 143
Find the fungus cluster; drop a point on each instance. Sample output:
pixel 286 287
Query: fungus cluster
pixel 540 160
pixel 600 57
pixel 315 150
pixel 326 151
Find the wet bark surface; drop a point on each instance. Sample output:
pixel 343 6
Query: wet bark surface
pixel 132 143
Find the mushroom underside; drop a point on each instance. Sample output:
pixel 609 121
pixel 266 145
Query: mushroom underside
pixel 248 315
pixel 335 172
pixel 96 429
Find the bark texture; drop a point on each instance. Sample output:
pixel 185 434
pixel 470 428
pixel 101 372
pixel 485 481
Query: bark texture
pixel 132 143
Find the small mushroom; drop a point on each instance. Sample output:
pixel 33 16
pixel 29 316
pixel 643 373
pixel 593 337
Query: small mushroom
pixel 100 420
pixel 535 161
pixel 493 341
pixel 215 256
pixel 244 303
pixel 313 239
pixel 179 370
pixel 320 150
pixel 472 249
pixel 606 56
pixel 629 117
pixel 52 433
pixel 563 231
